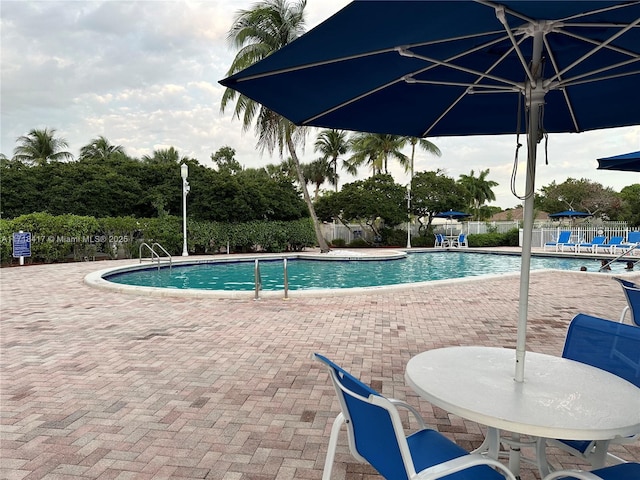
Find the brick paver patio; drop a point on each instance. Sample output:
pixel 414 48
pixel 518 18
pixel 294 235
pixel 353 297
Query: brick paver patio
pixel 104 385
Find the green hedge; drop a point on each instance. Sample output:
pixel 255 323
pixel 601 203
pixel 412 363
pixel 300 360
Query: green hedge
pixel 72 237
pixel 507 239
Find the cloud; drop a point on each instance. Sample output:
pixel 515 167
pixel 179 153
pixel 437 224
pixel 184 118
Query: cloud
pixel 145 75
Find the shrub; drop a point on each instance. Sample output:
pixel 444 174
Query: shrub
pixel 338 242
pixel 423 241
pixel 393 237
pixel 358 243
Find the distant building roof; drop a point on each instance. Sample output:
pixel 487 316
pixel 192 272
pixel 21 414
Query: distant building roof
pixel 515 214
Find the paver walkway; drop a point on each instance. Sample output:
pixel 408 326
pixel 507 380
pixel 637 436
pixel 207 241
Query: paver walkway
pixel 104 385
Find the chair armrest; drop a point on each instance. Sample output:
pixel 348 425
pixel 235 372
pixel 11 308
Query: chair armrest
pixel 582 475
pixel 462 463
pixel 406 406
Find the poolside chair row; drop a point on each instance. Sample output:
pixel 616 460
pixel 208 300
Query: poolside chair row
pixel 599 244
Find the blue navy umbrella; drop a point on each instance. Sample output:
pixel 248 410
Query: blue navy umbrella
pixel 628 162
pixel 452 215
pixel 441 68
pixel 570 214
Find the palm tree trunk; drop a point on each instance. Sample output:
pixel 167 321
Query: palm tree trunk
pixel 312 211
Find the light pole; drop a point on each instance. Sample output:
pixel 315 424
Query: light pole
pixel 409 215
pixel 184 173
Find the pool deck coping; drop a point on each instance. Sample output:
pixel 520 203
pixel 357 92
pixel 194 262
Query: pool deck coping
pixel 96 279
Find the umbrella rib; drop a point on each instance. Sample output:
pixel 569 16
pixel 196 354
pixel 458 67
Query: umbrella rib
pixel 600 10
pixel 613 48
pixel 472 86
pixel 597 48
pixel 576 80
pixel 500 14
pixel 408 78
pixel 447 63
pixel 460 97
pixel 572 112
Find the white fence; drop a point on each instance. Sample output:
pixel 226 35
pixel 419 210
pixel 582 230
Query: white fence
pixel 543 232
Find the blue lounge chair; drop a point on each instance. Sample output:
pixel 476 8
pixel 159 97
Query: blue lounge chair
pixel 376 436
pixel 564 239
pixel 624 471
pixel 611 245
pixel 632 292
pixel 632 243
pixel 591 246
pixel 607 345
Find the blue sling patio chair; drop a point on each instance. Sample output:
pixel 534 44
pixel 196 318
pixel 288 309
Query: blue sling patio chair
pixel 624 471
pixel 610 346
pixel 564 240
pixel 592 246
pixel 632 292
pixel 441 241
pixel 376 436
pixel 461 241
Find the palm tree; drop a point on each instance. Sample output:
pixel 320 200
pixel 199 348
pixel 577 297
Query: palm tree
pixel 165 156
pixel 99 149
pixel 425 144
pixel 331 144
pixel 375 149
pixel 318 172
pixel 267 27
pixel 41 146
pixel 479 189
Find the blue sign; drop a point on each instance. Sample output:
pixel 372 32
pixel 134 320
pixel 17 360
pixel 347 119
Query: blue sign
pixel 22 244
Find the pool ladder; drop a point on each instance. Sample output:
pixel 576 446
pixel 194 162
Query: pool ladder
pixel 258 280
pixel 155 256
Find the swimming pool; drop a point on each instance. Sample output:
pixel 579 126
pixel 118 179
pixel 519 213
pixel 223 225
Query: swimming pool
pixel 309 274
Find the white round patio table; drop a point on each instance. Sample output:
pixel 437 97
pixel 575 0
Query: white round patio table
pixel 559 398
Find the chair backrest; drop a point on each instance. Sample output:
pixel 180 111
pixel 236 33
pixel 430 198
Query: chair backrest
pixel 598 240
pixel 633 237
pixel 374 427
pixel 605 344
pixel 616 240
pixel 462 238
pixel 632 292
pixel 564 236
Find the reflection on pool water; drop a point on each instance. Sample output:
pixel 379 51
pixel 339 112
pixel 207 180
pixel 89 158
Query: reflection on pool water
pixel 317 274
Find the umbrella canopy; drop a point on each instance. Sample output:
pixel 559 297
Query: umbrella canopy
pixel 628 162
pixel 452 215
pixel 570 214
pixel 439 68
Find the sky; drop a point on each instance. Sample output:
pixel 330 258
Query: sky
pixel 145 76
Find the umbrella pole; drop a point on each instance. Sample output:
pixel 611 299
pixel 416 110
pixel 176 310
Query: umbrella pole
pixel 535 99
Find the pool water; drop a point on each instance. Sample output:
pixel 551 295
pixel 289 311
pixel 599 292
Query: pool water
pixel 317 274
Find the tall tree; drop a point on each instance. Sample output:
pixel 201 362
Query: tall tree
pixel 256 33
pixel 225 159
pixel 99 149
pixel 425 145
pixel 376 149
pixel 583 195
pixel 434 192
pixel 39 147
pixel 332 144
pixel 479 190
pixel 318 172
pixel 165 156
